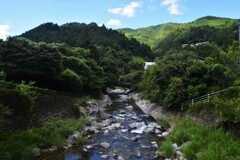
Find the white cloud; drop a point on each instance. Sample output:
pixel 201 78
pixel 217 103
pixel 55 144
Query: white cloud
pixel 4 31
pixel 115 10
pixel 114 22
pixel 174 6
pixel 128 10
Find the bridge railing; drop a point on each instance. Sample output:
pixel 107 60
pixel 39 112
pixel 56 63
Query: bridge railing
pixel 204 98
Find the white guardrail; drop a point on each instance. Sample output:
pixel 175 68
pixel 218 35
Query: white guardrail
pixel 204 98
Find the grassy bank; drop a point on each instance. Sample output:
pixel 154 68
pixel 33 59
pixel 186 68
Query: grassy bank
pixel 203 142
pixel 23 144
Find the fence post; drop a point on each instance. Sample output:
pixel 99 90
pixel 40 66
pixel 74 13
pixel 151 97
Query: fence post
pixel 192 101
pixel 208 97
pixel 181 106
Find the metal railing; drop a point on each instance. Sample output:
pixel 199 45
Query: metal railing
pixel 204 98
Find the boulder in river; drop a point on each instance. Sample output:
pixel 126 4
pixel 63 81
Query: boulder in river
pixel 120 158
pixel 139 130
pixel 105 145
pixel 104 156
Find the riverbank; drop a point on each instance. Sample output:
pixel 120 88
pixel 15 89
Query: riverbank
pixel 52 135
pixel 189 139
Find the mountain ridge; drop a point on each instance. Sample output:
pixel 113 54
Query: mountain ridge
pixel 153 34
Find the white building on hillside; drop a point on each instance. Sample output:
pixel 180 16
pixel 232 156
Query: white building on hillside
pixel 147 64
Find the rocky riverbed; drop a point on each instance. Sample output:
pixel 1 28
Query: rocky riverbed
pixel 120 131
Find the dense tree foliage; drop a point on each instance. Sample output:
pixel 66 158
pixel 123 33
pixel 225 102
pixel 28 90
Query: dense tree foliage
pixel 181 75
pixel 112 51
pixel 50 66
pixel 85 36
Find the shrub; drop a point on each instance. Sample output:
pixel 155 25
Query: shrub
pixel 180 136
pixel 205 142
pixel 190 151
pixel 20 100
pixel 4 113
pixel 164 123
pixel 2 76
pixel 22 144
pixel 167 149
pixel 71 81
pixel 29 152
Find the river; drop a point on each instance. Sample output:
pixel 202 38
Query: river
pixel 127 133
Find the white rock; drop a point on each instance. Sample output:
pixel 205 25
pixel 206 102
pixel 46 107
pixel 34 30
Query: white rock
pixel 119 91
pixel 175 146
pixel 104 156
pixel 53 148
pixel 129 107
pixel 89 146
pixel 157 131
pixel 152 124
pixel 159 135
pixel 138 153
pixel 137 124
pixel 147 130
pixel 124 130
pixel 120 158
pixel 116 125
pixel 164 134
pixel 133 139
pixel 105 145
pixel 105 123
pixel 122 112
pixel 158 126
pixel 85 150
pixel 154 144
pixel 139 130
pixel 179 153
pixel 106 132
pixel 143 146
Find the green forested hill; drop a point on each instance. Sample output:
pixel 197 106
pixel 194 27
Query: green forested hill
pixel 203 29
pixel 150 35
pixel 72 57
pixel 83 35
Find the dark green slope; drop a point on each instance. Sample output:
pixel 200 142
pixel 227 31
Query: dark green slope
pixel 83 35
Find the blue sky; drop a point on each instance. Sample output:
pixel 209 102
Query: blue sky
pixel 18 16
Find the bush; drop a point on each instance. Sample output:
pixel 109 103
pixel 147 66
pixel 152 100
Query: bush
pixel 2 76
pixel 54 132
pixel 166 149
pixel 204 142
pixel 71 81
pixel 227 109
pixel 191 150
pixel 29 152
pixel 164 123
pixel 180 136
pixel 19 100
pixel 4 113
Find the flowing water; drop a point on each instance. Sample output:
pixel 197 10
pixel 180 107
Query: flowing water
pixel 124 140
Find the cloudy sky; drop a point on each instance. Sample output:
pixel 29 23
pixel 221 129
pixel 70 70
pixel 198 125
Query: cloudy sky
pixel 18 16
